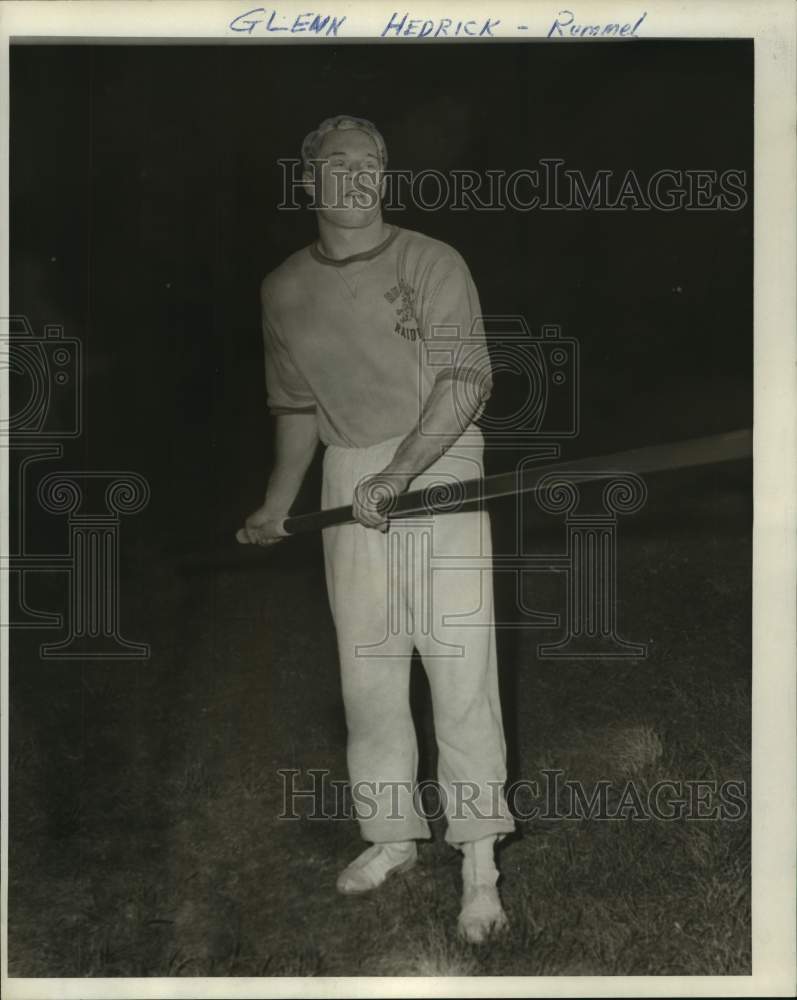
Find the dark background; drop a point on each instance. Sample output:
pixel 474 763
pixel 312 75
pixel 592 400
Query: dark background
pixel 144 185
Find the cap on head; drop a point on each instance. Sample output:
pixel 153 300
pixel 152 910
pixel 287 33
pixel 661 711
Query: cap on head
pixel 312 142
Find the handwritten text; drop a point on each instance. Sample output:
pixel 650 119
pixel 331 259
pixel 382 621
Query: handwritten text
pixel 565 26
pixel 404 26
pixel 272 20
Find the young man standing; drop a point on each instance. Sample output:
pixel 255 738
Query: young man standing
pixel 374 346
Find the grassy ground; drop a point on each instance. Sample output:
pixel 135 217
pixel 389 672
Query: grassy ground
pixel 144 838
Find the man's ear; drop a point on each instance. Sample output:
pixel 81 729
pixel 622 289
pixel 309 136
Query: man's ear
pixel 308 182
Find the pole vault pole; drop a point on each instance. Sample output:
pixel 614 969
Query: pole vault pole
pixel 472 493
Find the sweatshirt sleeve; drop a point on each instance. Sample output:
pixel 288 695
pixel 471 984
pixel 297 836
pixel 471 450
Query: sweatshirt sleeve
pixel 453 330
pixel 286 388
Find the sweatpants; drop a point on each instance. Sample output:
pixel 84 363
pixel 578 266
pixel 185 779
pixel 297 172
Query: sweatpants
pixel 387 597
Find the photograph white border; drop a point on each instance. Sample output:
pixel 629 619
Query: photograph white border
pixel 771 23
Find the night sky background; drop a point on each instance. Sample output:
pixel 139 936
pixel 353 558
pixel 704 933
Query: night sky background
pixel 144 186
pixel 143 217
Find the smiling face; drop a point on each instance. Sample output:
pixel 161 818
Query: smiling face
pixel 347 179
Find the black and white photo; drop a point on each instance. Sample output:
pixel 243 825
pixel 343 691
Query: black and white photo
pixel 398 562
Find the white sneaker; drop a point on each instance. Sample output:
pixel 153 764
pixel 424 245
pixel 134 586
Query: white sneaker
pixel 481 913
pixel 375 864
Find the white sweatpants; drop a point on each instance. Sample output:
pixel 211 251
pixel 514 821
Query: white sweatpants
pixel 386 598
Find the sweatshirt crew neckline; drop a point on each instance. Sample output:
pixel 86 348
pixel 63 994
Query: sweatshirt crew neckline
pixel 322 258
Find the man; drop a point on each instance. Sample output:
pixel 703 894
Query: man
pixel 374 345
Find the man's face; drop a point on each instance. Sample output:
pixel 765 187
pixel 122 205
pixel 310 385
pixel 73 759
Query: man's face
pixel 348 178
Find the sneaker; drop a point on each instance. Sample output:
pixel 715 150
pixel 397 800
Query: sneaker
pixel 374 865
pixel 481 913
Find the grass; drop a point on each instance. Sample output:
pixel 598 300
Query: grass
pixel 143 796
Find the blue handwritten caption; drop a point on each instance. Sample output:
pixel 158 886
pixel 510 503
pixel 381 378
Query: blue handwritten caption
pixel 403 26
pixel 309 23
pixel 565 26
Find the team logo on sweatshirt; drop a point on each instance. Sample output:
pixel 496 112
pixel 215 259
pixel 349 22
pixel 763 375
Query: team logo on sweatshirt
pixel 403 294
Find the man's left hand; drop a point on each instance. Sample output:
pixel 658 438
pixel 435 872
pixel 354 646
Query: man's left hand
pixel 375 496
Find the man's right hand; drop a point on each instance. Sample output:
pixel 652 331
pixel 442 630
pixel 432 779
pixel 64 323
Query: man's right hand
pixel 262 528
